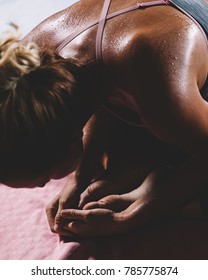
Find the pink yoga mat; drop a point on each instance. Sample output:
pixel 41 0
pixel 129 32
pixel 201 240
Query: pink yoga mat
pixel 25 234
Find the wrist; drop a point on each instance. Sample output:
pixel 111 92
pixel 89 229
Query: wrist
pixel 79 180
pixel 81 177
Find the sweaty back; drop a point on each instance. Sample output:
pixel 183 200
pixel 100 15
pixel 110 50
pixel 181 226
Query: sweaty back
pixel 197 10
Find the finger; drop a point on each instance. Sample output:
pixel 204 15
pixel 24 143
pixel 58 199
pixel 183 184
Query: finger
pixel 80 229
pixel 51 211
pixel 74 214
pixel 94 192
pixel 112 202
pixel 70 195
pixel 93 205
pixel 59 222
pixel 66 233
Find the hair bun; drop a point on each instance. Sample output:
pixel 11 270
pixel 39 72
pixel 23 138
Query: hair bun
pixel 17 59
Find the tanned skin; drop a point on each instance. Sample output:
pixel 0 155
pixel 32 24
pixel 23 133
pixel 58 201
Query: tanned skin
pixel 155 63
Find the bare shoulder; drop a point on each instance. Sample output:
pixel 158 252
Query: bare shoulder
pixel 53 30
pixel 49 32
pixel 156 44
pixel 175 50
pixel 165 69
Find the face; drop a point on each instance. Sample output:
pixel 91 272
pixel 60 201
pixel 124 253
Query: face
pixel 62 169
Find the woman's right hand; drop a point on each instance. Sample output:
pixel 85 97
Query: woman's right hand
pixel 76 194
pixel 67 198
pixel 90 168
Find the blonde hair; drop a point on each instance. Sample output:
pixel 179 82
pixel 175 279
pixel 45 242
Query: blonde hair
pixel 16 59
pixel 36 107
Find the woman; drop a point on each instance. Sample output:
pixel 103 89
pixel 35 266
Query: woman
pixel 147 64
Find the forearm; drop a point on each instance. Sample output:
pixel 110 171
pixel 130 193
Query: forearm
pixel 97 133
pixel 180 187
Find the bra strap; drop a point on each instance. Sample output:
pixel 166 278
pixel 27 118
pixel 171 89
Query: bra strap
pixel 101 26
pixel 71 37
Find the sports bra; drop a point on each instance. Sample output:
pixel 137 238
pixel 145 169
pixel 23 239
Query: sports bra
pixel 197 10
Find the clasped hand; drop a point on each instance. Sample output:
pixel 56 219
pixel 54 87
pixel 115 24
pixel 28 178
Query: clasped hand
pixel 93 217
pixel 99 212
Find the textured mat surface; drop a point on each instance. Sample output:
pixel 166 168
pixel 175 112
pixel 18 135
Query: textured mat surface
pixel 25 234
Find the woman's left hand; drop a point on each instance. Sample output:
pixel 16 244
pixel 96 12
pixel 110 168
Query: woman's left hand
pixel 114 214
pixel 94 222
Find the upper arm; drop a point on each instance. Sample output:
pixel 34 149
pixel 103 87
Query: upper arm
pixel 170 102
pixel 180 118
